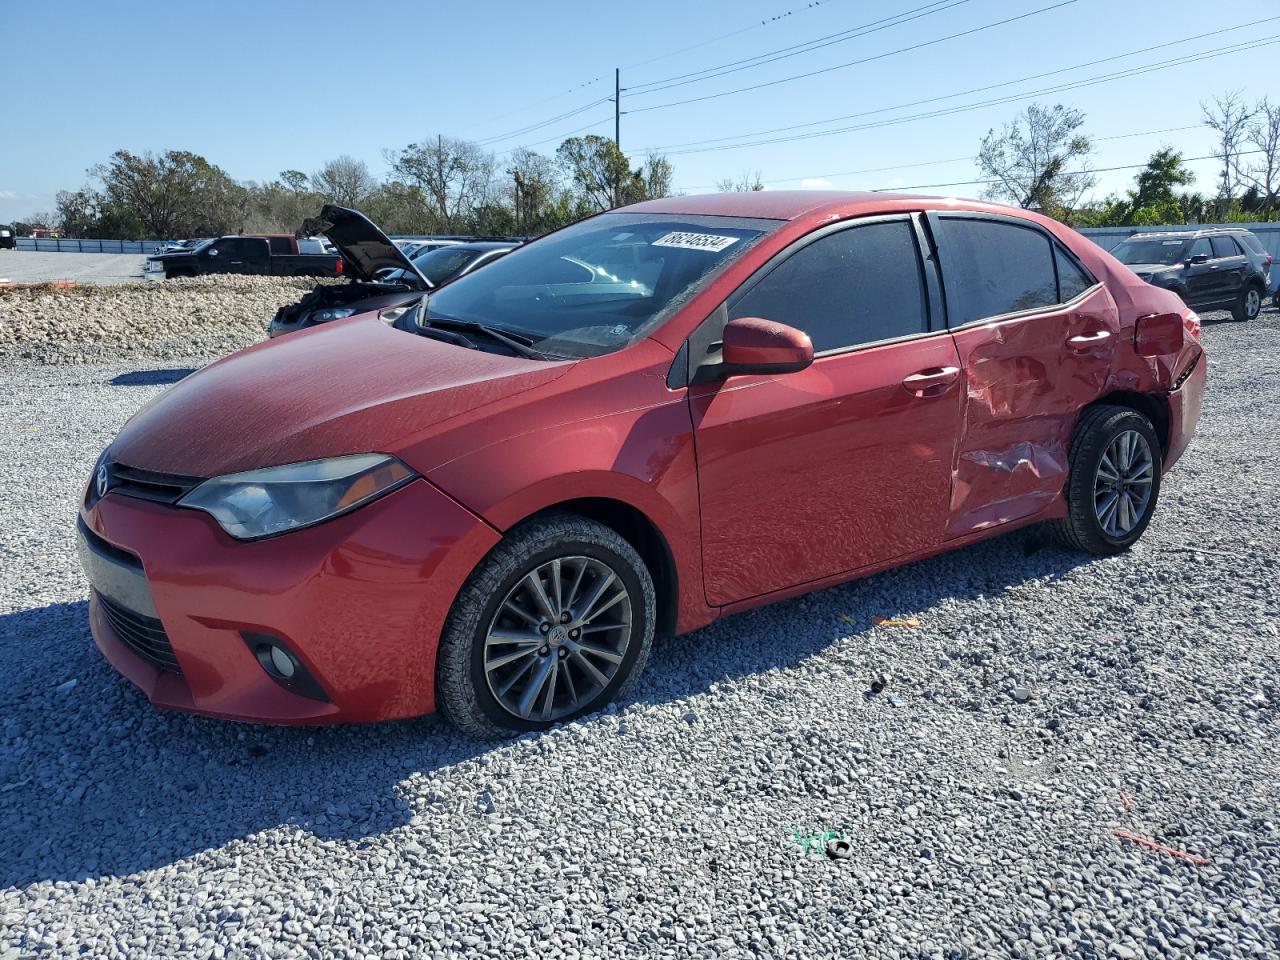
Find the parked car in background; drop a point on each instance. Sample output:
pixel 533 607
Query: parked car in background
pixel 1218 268
pixel 7 240
pixel 412 248
pixel 276 254
pixel 386 286
pixel 632 426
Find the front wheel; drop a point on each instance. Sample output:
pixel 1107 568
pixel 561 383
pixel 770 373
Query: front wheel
pixel 1113 482
pixel 553 624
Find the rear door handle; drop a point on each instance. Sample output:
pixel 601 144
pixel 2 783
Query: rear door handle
pixel 931 379
pixel 1083 340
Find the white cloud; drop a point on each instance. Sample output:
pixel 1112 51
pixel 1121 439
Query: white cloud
pixel 8 195
pixel 815 183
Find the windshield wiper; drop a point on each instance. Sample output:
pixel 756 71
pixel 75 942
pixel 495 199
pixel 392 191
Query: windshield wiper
pixel 517 342
pixel 448 336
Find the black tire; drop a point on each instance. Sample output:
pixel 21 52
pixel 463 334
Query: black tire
pixel 1249 304
pixel 1081 529
pixel 463 693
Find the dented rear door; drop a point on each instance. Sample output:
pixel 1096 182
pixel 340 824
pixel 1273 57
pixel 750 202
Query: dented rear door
pixel 1035 337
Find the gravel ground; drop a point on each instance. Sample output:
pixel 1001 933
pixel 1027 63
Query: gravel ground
pixel 1045 700
pixel 24 266
pixel 191 318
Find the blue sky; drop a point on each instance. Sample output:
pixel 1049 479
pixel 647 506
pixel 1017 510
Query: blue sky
pixel 259 87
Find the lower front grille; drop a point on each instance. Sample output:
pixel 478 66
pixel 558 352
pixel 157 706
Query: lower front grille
pixel 143 635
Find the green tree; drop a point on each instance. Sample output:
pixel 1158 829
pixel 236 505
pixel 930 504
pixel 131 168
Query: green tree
pixel 454 176
pixel 172 194
pixel 1039 160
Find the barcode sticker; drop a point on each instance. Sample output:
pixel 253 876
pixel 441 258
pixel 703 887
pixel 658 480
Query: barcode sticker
pixel 695 241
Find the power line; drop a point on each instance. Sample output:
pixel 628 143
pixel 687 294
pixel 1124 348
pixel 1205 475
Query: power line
pixel 853 63
pixel 1074 85
pixel 938 163
pixel 794 50
pixel 592 82
pixel 962 93
pixel 733 33
pixel 543 123
pixel 1127 166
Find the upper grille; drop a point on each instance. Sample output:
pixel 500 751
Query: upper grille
pixel 143 635
pixel 143 484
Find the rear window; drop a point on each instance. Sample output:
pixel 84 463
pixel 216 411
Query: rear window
pixel 1251 243
pixel 991 268
pixel 1072 280
pixel 443 263
pixel 1225 247
pixel 1164 253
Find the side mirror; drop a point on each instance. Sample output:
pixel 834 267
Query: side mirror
pixel 213 252
pixel 755 345
pixel 1198 258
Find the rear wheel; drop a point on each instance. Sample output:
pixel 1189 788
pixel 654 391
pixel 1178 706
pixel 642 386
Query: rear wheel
pixel 554 624
pixel 1113 482
pixel 1249 304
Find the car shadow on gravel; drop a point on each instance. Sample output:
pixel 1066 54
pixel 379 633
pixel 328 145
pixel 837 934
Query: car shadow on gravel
pixel 151 378
pixel 94 781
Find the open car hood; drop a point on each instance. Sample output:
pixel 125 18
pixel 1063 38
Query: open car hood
pixel 362 245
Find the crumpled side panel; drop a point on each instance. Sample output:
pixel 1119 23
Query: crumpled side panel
pixel 1025 383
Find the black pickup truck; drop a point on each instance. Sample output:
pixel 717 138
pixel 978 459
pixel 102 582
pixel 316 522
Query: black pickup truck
pixel 273 255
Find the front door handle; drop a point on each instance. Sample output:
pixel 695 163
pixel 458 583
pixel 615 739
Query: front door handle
pixel 1083 341
pixel 931 382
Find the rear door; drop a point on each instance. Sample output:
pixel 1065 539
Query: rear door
pixel 1035 335
pixel 1229 264
pixel 847 463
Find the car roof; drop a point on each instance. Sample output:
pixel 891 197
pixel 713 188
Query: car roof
pixel 1185 234
pixel 483 245
pixel 775 204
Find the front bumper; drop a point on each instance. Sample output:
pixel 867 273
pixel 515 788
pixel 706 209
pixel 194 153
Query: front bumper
pixel 360 600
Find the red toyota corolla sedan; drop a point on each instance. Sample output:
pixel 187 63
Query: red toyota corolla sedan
pixel 489 502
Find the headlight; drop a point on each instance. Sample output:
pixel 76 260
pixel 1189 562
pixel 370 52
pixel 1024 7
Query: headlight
pixel 337 313
pixel 261 503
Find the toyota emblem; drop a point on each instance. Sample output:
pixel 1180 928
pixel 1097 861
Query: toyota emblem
pixel 103 479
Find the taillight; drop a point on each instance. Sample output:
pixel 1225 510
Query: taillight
pixel 338 268
pixel 1191 323
pixel 1161 334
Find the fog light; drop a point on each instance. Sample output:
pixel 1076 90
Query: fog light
pixel 282 662
pixel 283 666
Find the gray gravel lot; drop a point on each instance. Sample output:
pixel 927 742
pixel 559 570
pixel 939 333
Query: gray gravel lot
pixel 1046 700
pixel 25 266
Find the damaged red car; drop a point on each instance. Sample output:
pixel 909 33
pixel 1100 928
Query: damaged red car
pixel 488 502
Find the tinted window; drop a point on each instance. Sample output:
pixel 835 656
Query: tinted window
pixel 1201 248
pixel 444 263
pixel 1072 281
pixel 1251 243
pixel 1225 247
pixel 280 244
pixel 854 286
pixel 993 268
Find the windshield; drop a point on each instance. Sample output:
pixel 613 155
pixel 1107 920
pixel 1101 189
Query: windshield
pixel 1164 252
pixel 443 263
pixel 599 285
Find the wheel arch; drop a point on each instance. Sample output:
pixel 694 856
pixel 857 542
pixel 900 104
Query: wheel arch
pixel 634 526
pixel 1155 408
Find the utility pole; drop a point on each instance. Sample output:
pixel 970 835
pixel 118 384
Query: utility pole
pixel 617 107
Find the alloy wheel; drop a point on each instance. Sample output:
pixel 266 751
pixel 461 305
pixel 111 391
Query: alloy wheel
pixel 1252 303
pixel 558 638
pixel 1122 484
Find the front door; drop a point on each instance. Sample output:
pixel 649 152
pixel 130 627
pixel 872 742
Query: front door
pixel 847 463
pixel 1035 334
pixel 1203 282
